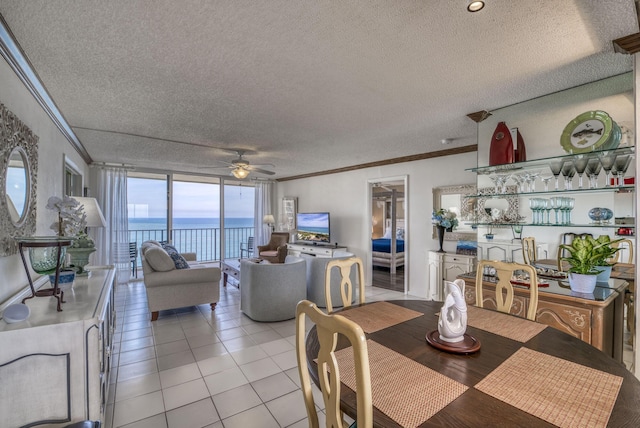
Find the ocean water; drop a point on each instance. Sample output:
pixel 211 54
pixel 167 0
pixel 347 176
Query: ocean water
pixel 199 235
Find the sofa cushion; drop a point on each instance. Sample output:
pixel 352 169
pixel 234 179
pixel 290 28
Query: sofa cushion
pixel 179 261
pixel 159 259
pixel 149 244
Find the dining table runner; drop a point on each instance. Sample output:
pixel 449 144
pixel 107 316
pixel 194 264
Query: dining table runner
pixel 558 391
pixel 512 327
pixel 405 390
pixel 379 315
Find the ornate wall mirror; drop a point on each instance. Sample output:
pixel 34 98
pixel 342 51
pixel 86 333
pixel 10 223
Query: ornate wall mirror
pixel 19 166
pixel 456 198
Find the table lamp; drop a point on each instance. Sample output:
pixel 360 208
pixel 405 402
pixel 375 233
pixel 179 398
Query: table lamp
pixel 269 220
pixel 83 245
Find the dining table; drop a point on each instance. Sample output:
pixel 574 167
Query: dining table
pixel 524 374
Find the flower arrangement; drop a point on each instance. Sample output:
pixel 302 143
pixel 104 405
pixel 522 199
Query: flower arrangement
pixel 444 218
pixel 72 219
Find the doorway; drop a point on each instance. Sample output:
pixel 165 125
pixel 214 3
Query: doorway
pixel 389 234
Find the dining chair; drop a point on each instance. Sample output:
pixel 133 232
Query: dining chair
pixel 328 328
pixel 617 256
pixel 529 250
pixel 504 288
pixel 346 284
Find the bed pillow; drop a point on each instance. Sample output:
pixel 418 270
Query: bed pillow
pixel 179 261
pixel 159 259
pixel 387 234
pixel 400 233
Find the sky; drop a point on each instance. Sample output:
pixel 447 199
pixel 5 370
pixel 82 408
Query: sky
pixel 147 198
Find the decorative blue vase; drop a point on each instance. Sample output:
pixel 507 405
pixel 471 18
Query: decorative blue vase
pixel 600 215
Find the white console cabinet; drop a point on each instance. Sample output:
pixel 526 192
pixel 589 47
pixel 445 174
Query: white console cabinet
pixel 54 366
pixel 446 267
pixel 507 250
pixel 315 250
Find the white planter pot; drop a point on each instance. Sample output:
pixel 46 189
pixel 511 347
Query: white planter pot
pixel 582 283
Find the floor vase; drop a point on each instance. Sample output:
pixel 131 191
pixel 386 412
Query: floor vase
pixel 441 230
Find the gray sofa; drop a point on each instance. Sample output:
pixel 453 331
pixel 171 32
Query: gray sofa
pixel 316 268
pixel 169 288
pixel 270 292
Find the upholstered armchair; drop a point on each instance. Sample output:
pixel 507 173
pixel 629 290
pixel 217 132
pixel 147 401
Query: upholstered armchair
pixel 270 291
pixel 276 249
pixel 168 287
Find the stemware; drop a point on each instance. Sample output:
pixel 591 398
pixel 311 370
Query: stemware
pixel 580 164
pixel 497 182
pixel 567 172
pixel 531 180
pixel 620 166
pixel 520 182
pixel 545 181
pixel 547 209
pixel 607 160
pixel 556 167
pixel 555 205
pixel 593 170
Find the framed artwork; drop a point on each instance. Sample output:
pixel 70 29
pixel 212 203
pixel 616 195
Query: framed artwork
pixel 289 211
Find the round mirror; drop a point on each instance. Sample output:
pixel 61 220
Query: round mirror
pixel 17 185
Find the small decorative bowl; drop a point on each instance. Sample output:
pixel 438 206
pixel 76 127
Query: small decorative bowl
pixel 65 280
pixel 600 215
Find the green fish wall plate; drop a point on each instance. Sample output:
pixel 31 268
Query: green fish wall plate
pixel 590 131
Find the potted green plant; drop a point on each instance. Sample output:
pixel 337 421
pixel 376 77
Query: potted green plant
pixel 585 255
pixel 605 252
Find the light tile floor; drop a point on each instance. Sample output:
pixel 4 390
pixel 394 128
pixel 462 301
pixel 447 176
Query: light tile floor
pixel 195 368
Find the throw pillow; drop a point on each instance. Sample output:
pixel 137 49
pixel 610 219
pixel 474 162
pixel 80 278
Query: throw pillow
pixel 177 258
pixel 387 234
pixel 159 259
pixel 400 233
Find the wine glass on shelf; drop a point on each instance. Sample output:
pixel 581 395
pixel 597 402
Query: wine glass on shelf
pixel 568 170
pixel 593 170
pixel 569 204
pixel 496 179
pixel 531 180
pixel 620 166
pixel 545 181
pixel 607 159
pixel 555 205
pixel 580 164
pixel 556 167
pixel 547 209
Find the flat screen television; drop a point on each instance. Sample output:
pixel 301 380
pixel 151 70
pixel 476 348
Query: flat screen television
pixel 313 227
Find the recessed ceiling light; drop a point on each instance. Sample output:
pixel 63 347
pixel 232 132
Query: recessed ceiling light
pixel 475 5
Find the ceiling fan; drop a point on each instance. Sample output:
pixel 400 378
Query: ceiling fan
pixel 240 167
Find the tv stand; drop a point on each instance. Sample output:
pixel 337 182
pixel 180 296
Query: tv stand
pixel 313 249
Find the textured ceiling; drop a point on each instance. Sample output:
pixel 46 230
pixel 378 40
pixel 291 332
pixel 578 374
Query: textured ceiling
pixel 307 85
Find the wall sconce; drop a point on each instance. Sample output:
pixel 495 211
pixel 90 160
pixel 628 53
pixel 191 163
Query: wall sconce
pixel 270 221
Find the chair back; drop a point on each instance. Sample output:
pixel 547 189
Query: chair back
pixel 567 239
pixel 328 327
pixel 529 250
pixel 250 244
pixel 277 239
pixel 617 258
pixel 504 288
pixel 346 285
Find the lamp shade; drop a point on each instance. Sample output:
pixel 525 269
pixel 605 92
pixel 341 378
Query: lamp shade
pixel 268 219
pixel 93 212
pixel 240 173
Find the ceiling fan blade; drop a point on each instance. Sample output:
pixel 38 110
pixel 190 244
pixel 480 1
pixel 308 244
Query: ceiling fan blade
pixel 260 170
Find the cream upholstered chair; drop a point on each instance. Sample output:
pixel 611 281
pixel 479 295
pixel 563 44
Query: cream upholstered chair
pixel 328 327
pixel 346 284
pixel 504 288
pixel 529 250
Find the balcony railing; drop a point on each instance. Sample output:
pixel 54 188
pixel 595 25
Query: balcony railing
pixel 204 242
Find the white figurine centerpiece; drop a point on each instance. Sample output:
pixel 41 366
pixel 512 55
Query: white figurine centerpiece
pixel 453 316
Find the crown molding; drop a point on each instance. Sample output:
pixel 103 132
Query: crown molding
pixel 11 51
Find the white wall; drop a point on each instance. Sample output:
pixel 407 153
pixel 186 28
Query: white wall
pixel 345 196
pixel 52 146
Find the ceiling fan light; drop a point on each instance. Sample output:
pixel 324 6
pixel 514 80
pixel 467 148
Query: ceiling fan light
pixel 240 173
pixel 475 5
